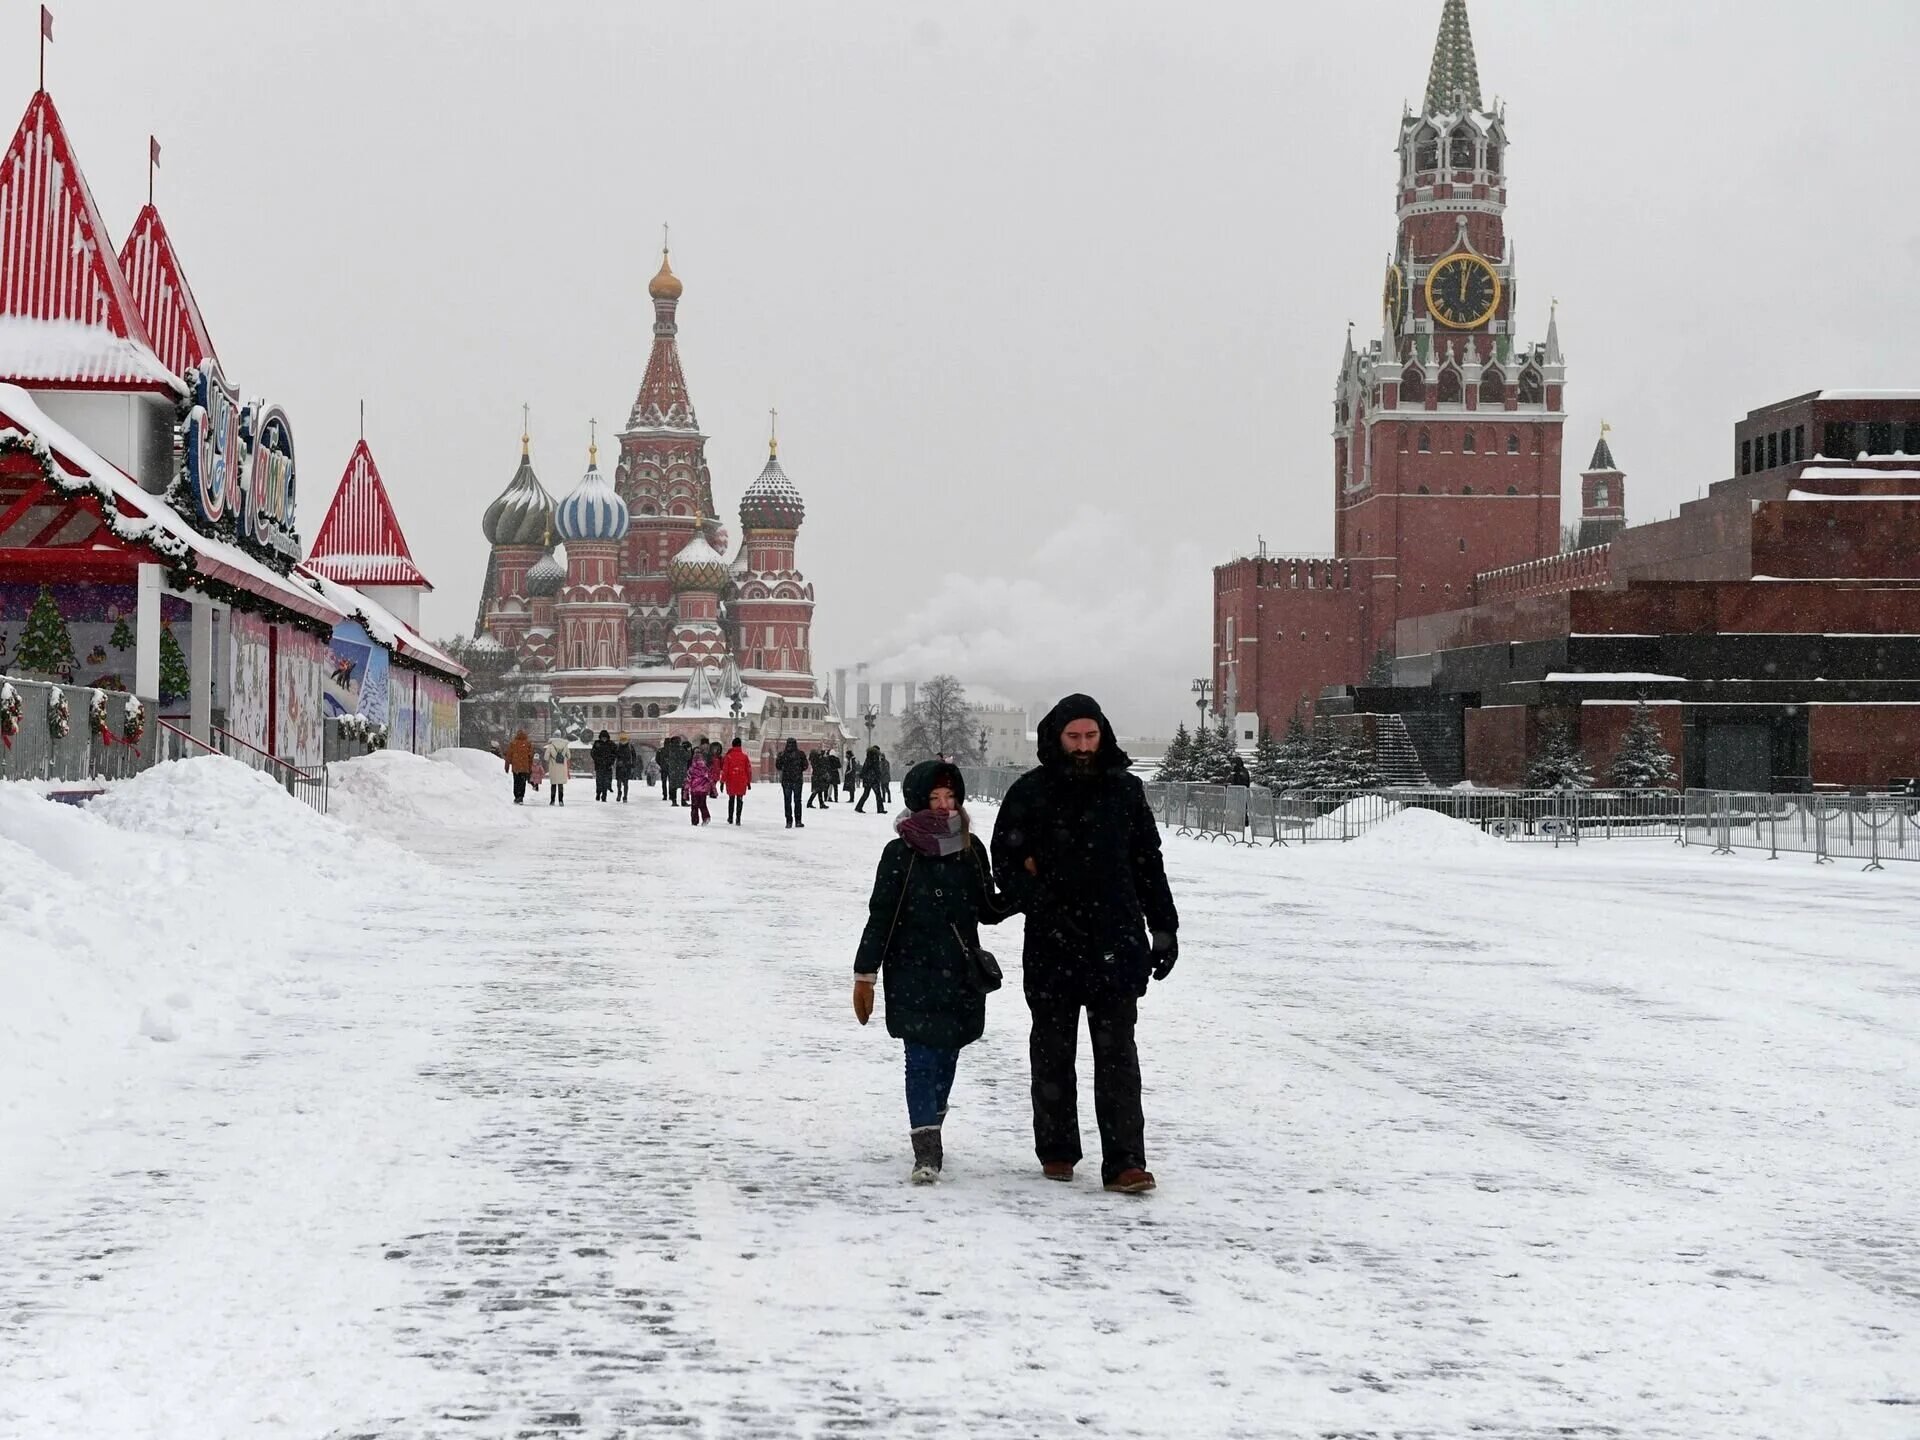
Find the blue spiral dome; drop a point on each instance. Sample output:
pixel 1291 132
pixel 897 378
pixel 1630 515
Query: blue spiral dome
pixel 594 511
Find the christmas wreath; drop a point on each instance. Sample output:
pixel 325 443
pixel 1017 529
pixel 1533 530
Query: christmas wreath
pixel 97 717
pixel 136 722
pixel 59 713
pixel 9 713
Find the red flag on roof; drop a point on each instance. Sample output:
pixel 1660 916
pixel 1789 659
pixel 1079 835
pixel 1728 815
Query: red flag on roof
pixel 153 151
pixel 46 23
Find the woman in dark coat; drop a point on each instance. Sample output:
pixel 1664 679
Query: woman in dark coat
pixel 933 889
pixel 625 759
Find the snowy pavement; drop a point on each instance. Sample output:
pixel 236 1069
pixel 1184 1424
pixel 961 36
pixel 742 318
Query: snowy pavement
pixel 565 1128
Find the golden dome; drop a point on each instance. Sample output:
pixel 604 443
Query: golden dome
pixel 666 285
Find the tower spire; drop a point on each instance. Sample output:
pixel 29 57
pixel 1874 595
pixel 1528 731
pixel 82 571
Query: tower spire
pixel 773 431
pixel 526 428
pixel 1453 81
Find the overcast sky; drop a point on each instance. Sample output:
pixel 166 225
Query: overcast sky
pixel 1050 296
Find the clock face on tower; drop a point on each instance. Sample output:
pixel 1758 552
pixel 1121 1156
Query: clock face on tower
pixel 1462 291
pixel 1394 300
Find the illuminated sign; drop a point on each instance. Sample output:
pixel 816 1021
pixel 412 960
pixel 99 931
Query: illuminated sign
pixel 239 465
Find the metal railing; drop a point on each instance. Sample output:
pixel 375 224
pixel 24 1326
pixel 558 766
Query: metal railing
pixel 80 755
pixel 1870 827
pixel 307 785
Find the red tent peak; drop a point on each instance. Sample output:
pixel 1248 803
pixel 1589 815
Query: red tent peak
pixel 162 296
pixel 360 542
pixel 56 262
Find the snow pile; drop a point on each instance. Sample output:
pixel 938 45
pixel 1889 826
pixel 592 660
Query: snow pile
pixel 1360 811
pixel 483 767
pixel 166 909
pixel 1414 833
pixel 392 793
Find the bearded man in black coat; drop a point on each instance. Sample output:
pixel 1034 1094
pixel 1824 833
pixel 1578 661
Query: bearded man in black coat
pixel 1076 844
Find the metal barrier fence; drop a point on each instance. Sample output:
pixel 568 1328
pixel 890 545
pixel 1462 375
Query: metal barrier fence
pixel 1873 828
pixel 86 751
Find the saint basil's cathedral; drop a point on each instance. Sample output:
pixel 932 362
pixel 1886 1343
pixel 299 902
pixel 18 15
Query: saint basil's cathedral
pixel 618 599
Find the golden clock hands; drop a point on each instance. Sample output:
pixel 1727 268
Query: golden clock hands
pixel 1463 284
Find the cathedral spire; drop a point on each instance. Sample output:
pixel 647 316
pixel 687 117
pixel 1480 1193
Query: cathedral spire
pixel 663 402
pixel 1453 82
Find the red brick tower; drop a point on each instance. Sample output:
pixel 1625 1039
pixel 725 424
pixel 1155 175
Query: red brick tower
pixel 1447 428
pixel 662 475
pixel 1446 439
pixel 1603 496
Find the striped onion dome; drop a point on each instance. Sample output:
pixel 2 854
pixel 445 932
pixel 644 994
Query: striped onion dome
pixel 594 511
pixel 698 567
pixel 772 501
pixel 521 513
pixel 545 577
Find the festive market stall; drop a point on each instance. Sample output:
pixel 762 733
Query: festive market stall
pixel 148 536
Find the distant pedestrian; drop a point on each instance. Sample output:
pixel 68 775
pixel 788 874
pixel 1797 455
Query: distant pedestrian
pixel 886 782
pixel 833 776
pixel 520 764
pixel 736 776
pixel 1077 847
pixel 869 776
pixel 817 779
pixel 559 769
pixel 850 774
pixel 932 891
pixel 700 783
pixel 625 760
pixel 1237 774
pixel 602 752
pixel 676 756
pixel 792 766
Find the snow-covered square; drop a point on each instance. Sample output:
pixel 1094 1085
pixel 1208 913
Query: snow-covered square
pixel 559 1123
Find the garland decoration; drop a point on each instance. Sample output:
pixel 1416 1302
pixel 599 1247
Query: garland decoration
pixel 97 718
pixel 9 714
pixel 59 713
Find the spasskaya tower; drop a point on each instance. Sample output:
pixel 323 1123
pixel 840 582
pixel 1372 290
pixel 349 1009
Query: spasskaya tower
pixel 1447 426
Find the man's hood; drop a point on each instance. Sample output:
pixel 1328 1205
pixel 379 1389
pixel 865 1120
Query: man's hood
pixel 1079 707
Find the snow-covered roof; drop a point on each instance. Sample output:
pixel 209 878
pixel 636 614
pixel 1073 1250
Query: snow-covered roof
pixel 381 623
pixel 1867 395
pixel 67 315
pixel 1619 677
pixel 360 542
pixel 142 519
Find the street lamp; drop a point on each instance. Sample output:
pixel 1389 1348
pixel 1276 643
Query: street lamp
pixel 870 718
pixel 1200 689
pixel 983 745
pixel 739 703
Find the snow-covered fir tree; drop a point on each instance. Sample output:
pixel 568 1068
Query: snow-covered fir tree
pixel 1642 762
pixel 46 645
pixel 1295 767
pixel 1559 765
pixel 1177 763
pixel 1267 766
pixel 1212 754
pixel 175 681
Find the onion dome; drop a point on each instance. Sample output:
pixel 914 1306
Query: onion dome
pixel 521 513
pixel 772 501
pixel 594 511
pixel 665 285
pixel 697 567
pixel 545 577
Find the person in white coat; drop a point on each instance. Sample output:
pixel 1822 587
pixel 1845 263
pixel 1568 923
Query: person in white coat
pixel 559 765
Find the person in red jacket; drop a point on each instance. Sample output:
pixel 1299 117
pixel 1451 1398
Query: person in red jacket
pixel 736 775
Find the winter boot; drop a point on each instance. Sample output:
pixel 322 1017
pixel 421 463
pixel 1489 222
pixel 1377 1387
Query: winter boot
pixel 926 1155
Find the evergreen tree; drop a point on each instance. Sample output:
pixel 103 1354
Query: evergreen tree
pixel 1177 763
pixel 1559 765
pixel 1642 762
pixel 1358 768
pixel 122 637
pixel 175 683
pixel 1380 672
pixel 1295 768
pixel 46 645
pixel 1268 765
pixel 1213 754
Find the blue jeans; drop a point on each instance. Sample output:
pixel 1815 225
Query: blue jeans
pixel 929 1082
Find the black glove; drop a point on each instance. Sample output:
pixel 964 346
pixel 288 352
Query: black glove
pixel 1166 950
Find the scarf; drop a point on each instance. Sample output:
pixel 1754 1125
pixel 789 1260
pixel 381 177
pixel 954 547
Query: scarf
pixel 931 832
